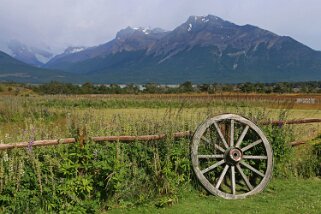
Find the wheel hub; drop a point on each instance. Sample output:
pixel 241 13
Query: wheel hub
pixel 233 156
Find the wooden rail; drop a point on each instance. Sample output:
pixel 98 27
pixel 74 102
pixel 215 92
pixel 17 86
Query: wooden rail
pixel 141 138
pixel 95 139
pixel 145 137
pixel 37 143
pixel 283 122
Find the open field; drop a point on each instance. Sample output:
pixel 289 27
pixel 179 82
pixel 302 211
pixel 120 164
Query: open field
pixel 99 176
pixel 189 109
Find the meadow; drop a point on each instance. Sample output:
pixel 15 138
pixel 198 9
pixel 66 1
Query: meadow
pixel 153 176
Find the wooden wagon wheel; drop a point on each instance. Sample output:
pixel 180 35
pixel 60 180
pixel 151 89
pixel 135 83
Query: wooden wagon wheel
pixel 231 156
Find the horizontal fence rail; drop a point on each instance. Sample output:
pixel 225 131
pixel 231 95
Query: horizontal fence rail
pixel 141 138
pixel 37 143
pixel 95 139
pixel 283 122
pixel 176 135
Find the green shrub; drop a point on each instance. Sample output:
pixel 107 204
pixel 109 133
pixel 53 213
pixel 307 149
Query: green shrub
pixel 80 178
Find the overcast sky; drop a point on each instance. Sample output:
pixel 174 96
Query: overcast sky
pixel 62 23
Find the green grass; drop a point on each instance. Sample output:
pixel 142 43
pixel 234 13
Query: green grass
pixel 281 196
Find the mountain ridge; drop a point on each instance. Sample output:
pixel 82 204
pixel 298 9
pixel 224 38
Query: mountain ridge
pixel 127 39
pixel 203 49
pixel 230 53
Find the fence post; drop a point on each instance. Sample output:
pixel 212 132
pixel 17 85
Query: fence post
pixel 81 136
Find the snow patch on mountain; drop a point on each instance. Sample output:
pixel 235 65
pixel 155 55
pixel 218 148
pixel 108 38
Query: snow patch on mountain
pixel 190 26
pixel 27 54
pixel 72 50
pixel 146 31
pixel 43 59
pixel 75 50
pixel 142 29
pixel 205 20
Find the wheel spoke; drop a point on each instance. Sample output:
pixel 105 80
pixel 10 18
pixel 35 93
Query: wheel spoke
pixel 239 141
pixel 248 184
pixel 219 148
pixel 233 179
pixel 216 146
pixel 206 140
pixel 210 156
pixel 220 134
pixel 256 157
pixel 213 166
pixel 251 145
pixel 222 176
pixel 232 134
pixel 252 168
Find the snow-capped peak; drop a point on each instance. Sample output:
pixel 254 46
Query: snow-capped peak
pixel 124 33
pixel 198 19
pixel 143 29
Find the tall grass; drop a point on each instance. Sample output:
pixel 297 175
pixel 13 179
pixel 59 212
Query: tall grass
pixel 88 177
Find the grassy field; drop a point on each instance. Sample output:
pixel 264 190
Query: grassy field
pixel 187 111
pixel 95 177
pixel 281 196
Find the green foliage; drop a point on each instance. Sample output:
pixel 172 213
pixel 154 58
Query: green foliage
pixel 302 162
pixel 185 87
pixel 89 177
pixel 280 136
pixel 92 177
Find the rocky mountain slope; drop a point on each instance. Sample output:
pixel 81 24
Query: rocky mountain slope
pixel 203 49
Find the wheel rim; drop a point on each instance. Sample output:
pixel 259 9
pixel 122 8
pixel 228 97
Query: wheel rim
pixel 231 156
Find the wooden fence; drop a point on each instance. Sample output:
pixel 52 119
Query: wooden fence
pixel 177 135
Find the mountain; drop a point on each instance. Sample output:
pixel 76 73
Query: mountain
pixel 203 49
pixel 126 41
pixel 14 70
pixel 66 54
pixel 29 55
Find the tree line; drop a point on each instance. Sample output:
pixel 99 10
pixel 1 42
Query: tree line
pixel 186 87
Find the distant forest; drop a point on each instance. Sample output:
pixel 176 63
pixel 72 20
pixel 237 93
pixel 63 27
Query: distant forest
pixel 186 87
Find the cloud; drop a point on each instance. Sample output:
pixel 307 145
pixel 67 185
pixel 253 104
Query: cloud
pixel 62 23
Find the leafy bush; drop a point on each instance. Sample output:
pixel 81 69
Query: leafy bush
pixel 81 178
